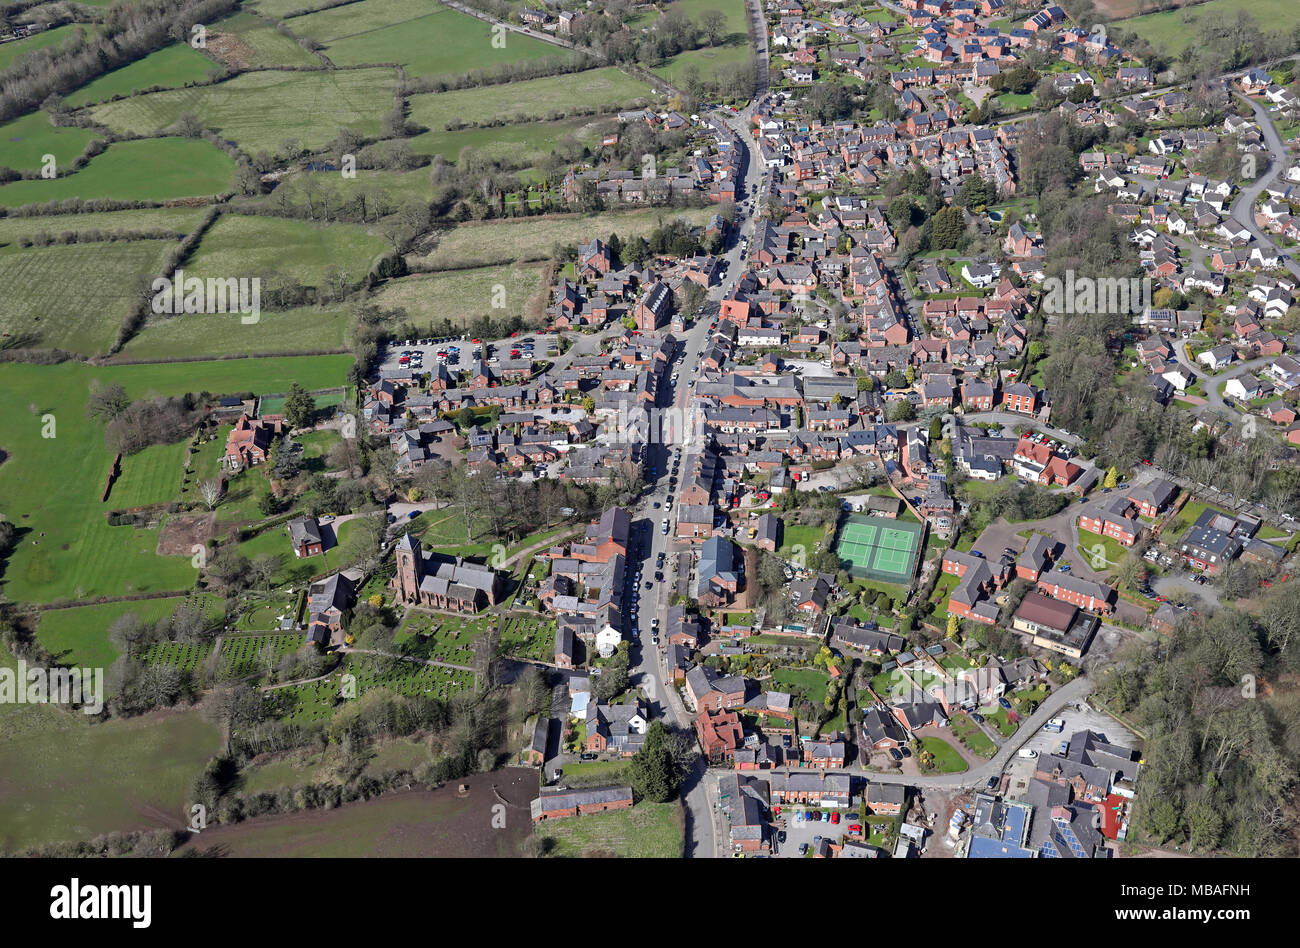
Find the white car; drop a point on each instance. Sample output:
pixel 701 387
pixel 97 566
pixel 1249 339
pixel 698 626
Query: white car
pixel 1028 754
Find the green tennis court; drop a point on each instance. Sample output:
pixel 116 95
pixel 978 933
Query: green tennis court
pixel 876 548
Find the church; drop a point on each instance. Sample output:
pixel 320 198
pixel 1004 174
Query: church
pixel 443 582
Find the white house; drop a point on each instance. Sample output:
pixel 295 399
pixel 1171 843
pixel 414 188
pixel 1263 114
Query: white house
pixel 607 640
pixel 1244 387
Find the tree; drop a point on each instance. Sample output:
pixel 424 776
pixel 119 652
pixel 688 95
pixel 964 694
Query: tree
pixel 210 490
pixel 902 410
pixel 714 25
pixel 949 226
pixel 299 407
pixel 106 402
pixel 662 763
pixel 1112 477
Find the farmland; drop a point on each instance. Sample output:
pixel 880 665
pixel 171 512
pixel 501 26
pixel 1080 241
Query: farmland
pixel 155 169
pixel 518 145
pixel 464 295
pixel 27 139
pixel 260 110
pixel 179 220
pixel 238 245
pixel 244 40
pixel 141 770
pixel 170 67
pixel 79 636
pixel 10 53
pixel 1173 30
pixel 75 297
pixel 425 41
pixel 302 329
pixel 646 831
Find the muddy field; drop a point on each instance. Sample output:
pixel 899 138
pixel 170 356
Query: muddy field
pixel 180 535
pixel 490 820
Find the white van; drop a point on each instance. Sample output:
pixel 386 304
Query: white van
pixel 1028 754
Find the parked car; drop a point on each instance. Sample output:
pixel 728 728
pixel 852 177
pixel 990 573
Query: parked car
pixel 1027 753
pixel 1005 703
pixel 893 752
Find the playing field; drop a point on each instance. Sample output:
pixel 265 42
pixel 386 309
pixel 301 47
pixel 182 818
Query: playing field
pixel 877 548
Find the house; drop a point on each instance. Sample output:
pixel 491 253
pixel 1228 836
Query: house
pixel 1035 559
pixel 746 801
pixel 558 804
pixel 1056 625
pixel 304 535
pixel 823 754
pixel 880 730
pixel 535 753
pixel 249 441
pixel 720 734
pixel 619 728
pixel 327 601
pixel 885 799
pixel 1154 497
pixel 1083 593
pixel 709 691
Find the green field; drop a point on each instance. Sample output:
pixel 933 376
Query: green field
pixel 153 169
pixel 732 51
pixel 65 546
pixel 122 775
pixel 1174 30
pixel 303 329
pixel 497 242
pixel 170 67
pixel 646 831
pixel 464 295
pixel 260 110
pixel 29 139
pixel 75 297
pixel 79 636
pixel 10 53
pixel 238 245
pixel 531 99
pixel 257 43
pixel 180 220
pixel 515 145
pixel 427 40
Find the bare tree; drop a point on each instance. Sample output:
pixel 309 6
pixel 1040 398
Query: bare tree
pixel 211 490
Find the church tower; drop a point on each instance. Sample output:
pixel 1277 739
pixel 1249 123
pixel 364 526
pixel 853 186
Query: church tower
pixel 410 563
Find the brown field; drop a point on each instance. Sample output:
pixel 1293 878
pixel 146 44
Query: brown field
pixel 406 825
pixel 1119 9
pixel 180 535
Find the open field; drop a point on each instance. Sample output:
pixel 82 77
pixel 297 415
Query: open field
pixel 506 241
pixel 516 145
pixel 245 40
pixel 10 53
pixel 531 99
pixel 75 297
pixel 28 139
pixel 260 110
pixel 79 636
pixel 154 169
pixel 464 295
pixel 141 770
pixel 732 50
pixel 65 546
pixel 646 831
pixel 1173 30
pixel 426 39
pixel 239 245
pixel 406 824
pixel 170 67
pixel 181 220
pixel 302 329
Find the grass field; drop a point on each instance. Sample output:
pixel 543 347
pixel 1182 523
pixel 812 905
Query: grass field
pixel 303 329
pixel 10 53
pixel 426 39
pixel 507 241
pixel 65 547
pixel 79 636
pixel 519 145
pixel 178 219
pixel 75 297
pixel 409 824
pixel 1174 30
pixel 260 110
pixel 245 40
pixel 530 99
pixel 946 758
pixel 239 245
pixel 27 140
pixel 170 67
pixel 154 169
pixel 646 831
pixel 732 51
pixel 140 769
pixel 151 476
pixel 463 295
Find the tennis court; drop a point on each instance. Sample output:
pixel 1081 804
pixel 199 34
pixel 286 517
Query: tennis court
pixel 878 548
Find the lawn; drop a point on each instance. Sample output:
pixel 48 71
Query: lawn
pixel 811 682
pixel 65 546
pixel 27 140
pixel 75 297
pixel 506 241
pixel 946 758
pixel 465 295
pixel 260 110
pixel 1174 30
pixel 170 67
pixel 1094 546
pixel 151 169
pixel 795 535
pixel 150 476
pixel 968 732
pixel 238 245
pixel 646 831
pixel 427 40
pixel 131 774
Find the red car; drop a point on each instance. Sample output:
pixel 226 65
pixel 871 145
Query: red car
pixel 835 817
pixel 477 342
pixel 776 811
pixel 855 827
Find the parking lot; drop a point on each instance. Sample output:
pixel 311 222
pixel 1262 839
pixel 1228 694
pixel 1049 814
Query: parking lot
pixel 422 354
pixel 1079 718
pixel 797 832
